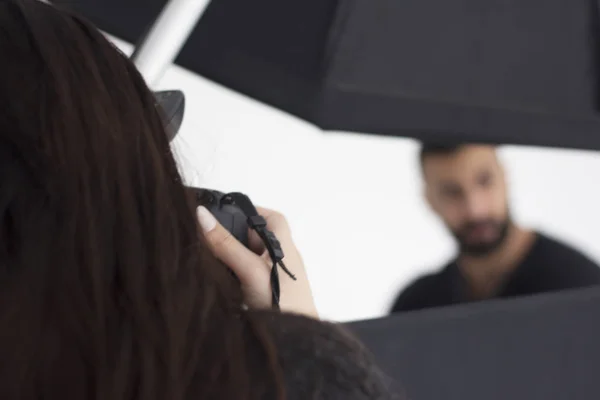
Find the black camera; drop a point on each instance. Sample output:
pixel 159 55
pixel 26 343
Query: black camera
pixel 222 206
pixel 226 211
pixel 234 211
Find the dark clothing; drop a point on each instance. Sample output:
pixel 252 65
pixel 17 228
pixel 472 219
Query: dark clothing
pixel 321 361
pixel 549 266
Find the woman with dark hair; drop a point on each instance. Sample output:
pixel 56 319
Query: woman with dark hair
pixel 108 288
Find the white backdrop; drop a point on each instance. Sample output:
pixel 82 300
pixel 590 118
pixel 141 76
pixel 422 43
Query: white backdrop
pixel 354 201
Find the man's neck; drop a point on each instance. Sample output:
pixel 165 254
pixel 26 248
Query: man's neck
pixel 485 275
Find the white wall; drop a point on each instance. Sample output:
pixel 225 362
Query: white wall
pixel 354 201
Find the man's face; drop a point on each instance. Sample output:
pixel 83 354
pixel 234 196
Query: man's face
pixel 467 189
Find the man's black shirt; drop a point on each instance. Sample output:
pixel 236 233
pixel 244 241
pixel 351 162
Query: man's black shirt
pixel 549 266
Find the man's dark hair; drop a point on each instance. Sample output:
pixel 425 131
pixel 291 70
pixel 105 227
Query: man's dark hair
pixel 428 149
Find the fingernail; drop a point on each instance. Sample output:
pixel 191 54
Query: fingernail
pixel 208 222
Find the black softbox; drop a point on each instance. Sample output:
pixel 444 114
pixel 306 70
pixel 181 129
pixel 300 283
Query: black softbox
pixel 500 71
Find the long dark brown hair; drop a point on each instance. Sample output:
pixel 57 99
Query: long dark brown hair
pixel 106 288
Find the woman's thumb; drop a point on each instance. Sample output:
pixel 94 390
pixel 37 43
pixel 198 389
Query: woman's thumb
pixel 207 221
pixel 226 247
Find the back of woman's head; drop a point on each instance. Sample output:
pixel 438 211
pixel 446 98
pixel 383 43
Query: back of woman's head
pixel 105 289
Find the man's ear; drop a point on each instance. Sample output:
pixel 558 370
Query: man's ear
pixel 505 182
pixel 428 195
pixel 502 174
pixel 500 165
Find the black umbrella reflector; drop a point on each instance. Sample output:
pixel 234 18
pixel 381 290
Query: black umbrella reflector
pixel 499 71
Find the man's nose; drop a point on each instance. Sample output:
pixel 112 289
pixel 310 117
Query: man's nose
pixel 476 206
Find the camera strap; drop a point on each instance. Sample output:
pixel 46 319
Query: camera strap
pixel 259 225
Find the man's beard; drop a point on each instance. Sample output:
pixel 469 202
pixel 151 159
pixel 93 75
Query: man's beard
pixel 482 248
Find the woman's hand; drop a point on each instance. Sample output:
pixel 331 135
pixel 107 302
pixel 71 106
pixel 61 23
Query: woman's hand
pixel 253 265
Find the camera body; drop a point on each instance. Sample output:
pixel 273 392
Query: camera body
pixel 225 210
pixel 234 211
pixel 221 205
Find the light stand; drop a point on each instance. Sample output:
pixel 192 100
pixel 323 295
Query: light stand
pixel 165 39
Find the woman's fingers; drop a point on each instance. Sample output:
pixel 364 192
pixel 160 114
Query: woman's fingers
pixel 276 223
pixel 255 243
pixel 244 263
pixel 253 270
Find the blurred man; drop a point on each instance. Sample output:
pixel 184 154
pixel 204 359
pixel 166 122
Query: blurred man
pixel 466 187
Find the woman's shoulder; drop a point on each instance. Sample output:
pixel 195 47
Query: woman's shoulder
pixel 322 360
